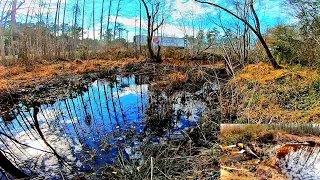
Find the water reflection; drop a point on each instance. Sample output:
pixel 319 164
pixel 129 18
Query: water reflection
pixel 300 161
pixel 85 132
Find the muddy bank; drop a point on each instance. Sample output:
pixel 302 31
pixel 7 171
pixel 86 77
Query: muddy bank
pixel 63 85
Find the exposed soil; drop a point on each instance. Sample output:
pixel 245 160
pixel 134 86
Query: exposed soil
pixel 242 167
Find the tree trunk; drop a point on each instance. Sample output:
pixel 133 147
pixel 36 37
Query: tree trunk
pixel 151 29
pixel 101 19
pixel 83 12
pixel 15 31
pixel 56 23
pixel 269 54
pixel 115 21
pixel 2 51
pixel 93 27
pixel 108 22
pixel 10 168
pixel 140 46
pixel 149 45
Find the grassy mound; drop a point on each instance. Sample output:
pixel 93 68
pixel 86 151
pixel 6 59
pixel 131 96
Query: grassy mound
pixel 262 94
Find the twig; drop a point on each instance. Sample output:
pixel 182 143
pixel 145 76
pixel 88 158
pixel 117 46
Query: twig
pixel 233 168
pixel 151 167
pixel 162 173
pixel 61 175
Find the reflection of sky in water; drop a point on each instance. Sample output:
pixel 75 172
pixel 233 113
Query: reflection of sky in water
pixel 304 163
pixel 89 128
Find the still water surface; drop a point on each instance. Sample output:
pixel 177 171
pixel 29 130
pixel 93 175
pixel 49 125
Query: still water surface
pixel 90 127
pixel 300 162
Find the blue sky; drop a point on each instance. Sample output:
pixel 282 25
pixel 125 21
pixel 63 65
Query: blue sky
pixel 181 16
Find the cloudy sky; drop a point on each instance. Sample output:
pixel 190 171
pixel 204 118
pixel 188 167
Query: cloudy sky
pixel 182 17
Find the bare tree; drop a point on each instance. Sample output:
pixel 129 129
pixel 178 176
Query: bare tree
pixel 56 24
pixel 83 12
pixel 10 168
pixel 140 29
pixel 101 19
pixel 152 13
pixel 16 32
pixel 4 15
pixel 115 21
pixel 93 26
pixel 75 28
pixel 108 22
pixel 256 30
pixel 63 27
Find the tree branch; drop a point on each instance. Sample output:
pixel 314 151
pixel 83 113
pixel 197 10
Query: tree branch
pixel 146 7
pixel 256 31
pixel 231 13
pixel 26 145
pixel 158 25
pixel 8 13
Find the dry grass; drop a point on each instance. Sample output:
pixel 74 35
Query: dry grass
pixel 178 77
pixel 231 134
pixel 263 73
pixel 171 80
pixel 266 170
pixel 265 95
pixel 18 76
pixel 192 63
pixel 261 133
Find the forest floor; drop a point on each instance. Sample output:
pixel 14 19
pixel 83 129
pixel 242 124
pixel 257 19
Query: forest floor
pixel 272 143
pixel 28 76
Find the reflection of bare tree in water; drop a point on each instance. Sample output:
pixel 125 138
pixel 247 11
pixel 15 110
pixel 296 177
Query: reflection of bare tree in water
pixel 120 105
pixel 72 119
pixel 107 104
pixel 15 155
pixel 37 126
pixel 114 105
pixel 102 122
pixel 14 143
pixel 10 168
pixel 92 111
pixel 159 113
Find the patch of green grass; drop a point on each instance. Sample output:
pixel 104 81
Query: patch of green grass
pixel 298 129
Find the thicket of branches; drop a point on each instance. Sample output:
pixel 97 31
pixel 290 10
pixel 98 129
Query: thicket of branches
pixel 47 31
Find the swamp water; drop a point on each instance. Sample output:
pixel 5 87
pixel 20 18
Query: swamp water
pixel 300 162
pixel 92 127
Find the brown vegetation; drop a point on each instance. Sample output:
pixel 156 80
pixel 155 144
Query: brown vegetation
pixel 18 76
pixel 272 141
pixel 262 94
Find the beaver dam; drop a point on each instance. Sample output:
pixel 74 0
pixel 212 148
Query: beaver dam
pixel 98 128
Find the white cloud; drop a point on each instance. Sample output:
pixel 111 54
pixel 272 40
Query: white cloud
pixel 36 6
pixel 189 9
pixel 130 22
